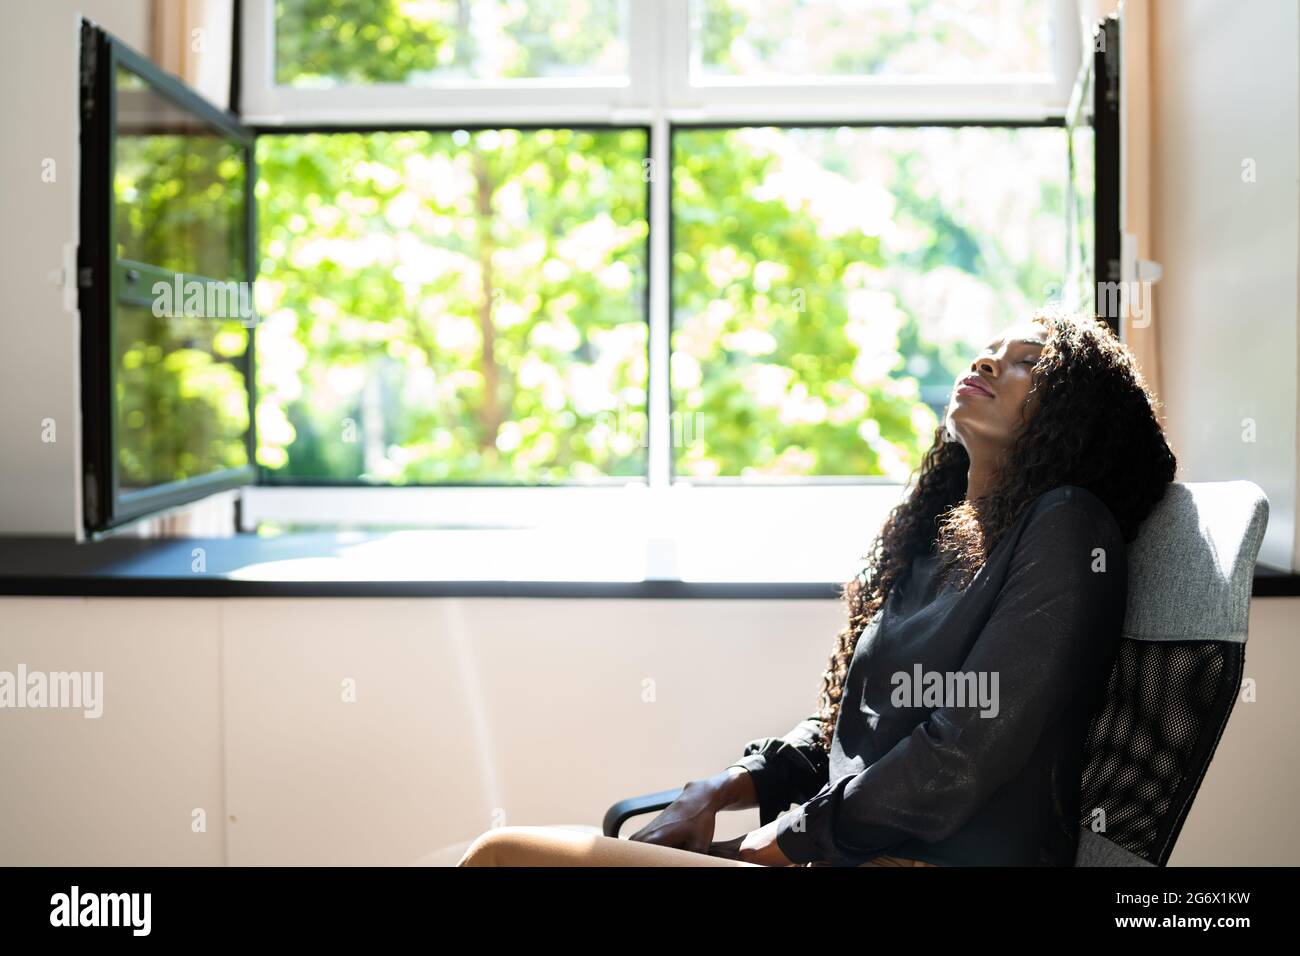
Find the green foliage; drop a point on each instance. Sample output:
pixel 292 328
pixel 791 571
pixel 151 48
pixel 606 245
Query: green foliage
pixel 905 37
pixel 454 306
pixel 344 42
pixel 181 402
pixel 800 338
pixel 182 408
pixel 179 198
pixel 353 41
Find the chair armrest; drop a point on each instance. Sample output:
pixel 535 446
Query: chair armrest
pixel 624 810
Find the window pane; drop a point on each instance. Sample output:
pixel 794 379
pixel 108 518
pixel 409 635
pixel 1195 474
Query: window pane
pixel 769 39
pixel 453 306
pixel 829 283
pixel 323 43
pixel 181 399
pixel 1080 291
pixel 178 187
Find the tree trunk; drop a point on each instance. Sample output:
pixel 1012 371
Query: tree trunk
pixel 490 412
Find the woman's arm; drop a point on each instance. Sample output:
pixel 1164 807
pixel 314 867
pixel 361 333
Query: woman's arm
pixel 735 789
pixel 784 770
pixel 773 773
pixel 764 776
pixel 1054 626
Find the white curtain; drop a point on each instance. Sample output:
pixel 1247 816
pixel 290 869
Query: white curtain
pixel 193 39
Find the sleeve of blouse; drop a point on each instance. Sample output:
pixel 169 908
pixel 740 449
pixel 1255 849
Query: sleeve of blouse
pixel 1054 626
pixel 786 769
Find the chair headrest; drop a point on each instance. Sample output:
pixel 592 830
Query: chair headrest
pixel 1193 564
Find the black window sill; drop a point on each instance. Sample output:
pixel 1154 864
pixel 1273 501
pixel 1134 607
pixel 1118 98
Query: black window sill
pixel 354 564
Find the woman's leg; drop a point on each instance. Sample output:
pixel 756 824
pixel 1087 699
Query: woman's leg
pixel 552 846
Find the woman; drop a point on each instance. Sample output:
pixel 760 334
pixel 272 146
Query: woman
pixel 952 715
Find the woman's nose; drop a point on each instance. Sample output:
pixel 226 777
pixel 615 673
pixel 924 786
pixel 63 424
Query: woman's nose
pixel 986 363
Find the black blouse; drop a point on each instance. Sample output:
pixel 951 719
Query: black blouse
pixel 988 778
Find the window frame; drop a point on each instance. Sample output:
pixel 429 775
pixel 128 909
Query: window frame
pixel 1008 97
pixel 106 282
pixel 506 103
pixel 658 83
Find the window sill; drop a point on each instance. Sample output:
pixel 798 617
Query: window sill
pixel 492 563
pixel 449 563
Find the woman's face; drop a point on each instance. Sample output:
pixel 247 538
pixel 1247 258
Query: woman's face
pixel 990 401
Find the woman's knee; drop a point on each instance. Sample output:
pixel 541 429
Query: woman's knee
pixel 500 846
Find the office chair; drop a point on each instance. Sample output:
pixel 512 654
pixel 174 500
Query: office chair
pixel 1176 676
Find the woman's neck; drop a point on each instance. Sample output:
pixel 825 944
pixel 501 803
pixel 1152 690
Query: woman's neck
pixel 980 481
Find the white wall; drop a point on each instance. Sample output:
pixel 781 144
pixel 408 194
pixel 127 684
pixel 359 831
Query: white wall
pixel 467 712
pixel 39 339
pixel 1226 88
pixel 118 789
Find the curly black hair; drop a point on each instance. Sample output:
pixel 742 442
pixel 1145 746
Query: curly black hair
pixel 1096 426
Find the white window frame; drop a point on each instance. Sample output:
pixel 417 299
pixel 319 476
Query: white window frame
pixel 659 84
pixel 568 101
pixel 659 92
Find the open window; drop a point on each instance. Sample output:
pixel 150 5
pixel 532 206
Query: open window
pixel 665 247
pixel 165 272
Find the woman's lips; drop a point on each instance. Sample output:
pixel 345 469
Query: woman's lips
pixel 973 386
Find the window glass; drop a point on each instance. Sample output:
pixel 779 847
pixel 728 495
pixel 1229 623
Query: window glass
pixel 828 284
pixel 179 187
pixel 325 43
pixel 453 306
pixel 1080 291
pixel 181 402
pixel 770 39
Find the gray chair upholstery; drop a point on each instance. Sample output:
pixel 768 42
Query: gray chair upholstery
pixel 1176 675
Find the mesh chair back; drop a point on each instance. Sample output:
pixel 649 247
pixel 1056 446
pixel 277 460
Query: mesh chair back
pixel 1177 671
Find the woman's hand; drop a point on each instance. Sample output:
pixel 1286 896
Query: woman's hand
pixel 688 822
pixel 756 846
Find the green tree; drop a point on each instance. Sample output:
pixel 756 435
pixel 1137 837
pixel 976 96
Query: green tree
pixel 487 290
